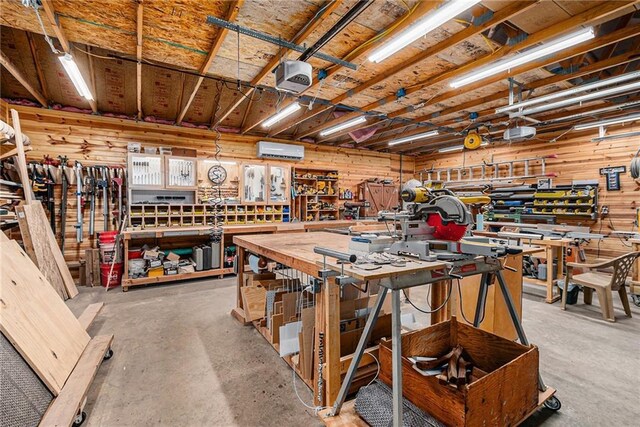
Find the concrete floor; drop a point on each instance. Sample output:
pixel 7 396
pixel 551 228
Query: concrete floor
pixel 180 359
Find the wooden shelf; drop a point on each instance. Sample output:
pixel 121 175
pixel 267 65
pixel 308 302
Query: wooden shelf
pixel 126 283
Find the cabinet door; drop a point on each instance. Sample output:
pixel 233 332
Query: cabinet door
pixel 253 184
pixel 146 171
pixel 279 180
pixel 181 173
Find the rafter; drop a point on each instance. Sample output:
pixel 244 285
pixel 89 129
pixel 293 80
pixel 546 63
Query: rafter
pixel 472 30
pixel 36 64
pixel 609 50
pixel 13 70
pixel 139 28
pixel 421 9
pixel 582 71
pixel 232 13
pixel 62 38
pixel 586 17
pixel 299 38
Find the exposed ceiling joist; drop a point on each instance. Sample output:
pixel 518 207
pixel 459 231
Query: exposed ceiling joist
pixel 64 42
pixel 232 13
pixel 581 71
pixel 472 30
pixel 13 70
pixel 139 29
pixel 299 38
pixel 421 9
pixel 591 15
pixel 37 65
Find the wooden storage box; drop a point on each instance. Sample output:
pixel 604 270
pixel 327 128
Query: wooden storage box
pixel 504 397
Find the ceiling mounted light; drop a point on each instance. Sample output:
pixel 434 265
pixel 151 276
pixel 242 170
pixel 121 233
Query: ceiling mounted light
pixel 601 94
pixel 428 23
pixel 342 126
pixel 73 72
pixel 521 58
pixel 285 112
pixel 568 92
pixel 413 137
pixel 608 122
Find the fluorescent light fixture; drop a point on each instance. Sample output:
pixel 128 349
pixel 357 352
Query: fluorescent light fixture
pixel 342 126
pixel 413 137
pixel 578 99
pixel 287 111
pixel 529 55
pixel 618 107
pixel 457 148
pixel 608 122
pixel 568 92
pixel 73 72
pixel 421 27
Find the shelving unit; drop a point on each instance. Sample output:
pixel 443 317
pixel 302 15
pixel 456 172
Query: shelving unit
pixel 316 194
pixel 158 216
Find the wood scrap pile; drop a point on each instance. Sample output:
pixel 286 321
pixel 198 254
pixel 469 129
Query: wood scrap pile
pixel 47 335
pixel 453 368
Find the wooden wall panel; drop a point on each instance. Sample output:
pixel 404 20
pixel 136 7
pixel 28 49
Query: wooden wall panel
pixel 578 158
pixel 95 140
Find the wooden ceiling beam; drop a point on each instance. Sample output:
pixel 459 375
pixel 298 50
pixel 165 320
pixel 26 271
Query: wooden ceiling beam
pixel 472 30
pixel 609 50
pixel 583 18
pixel 298 39
pixel 37 65
pixel 232 13
pixel 13 70
pixel 582 71
pixel 420 10
pixel 139 29
pixel 50 12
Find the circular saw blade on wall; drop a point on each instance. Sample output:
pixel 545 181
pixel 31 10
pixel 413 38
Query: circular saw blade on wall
pixel 472 141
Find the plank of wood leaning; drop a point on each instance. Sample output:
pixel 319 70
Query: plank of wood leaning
pixel 89 314
pixel 38 249
pixel 67 279
pixel 64 408
pixel 255 298
pixel 36 321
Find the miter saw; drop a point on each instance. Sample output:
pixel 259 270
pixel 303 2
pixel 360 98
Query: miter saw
pixel 434 226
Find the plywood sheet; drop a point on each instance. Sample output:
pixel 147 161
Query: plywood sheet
pixel 254 301
pixel 36 321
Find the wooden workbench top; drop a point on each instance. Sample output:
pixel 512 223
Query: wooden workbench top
pixel 296 250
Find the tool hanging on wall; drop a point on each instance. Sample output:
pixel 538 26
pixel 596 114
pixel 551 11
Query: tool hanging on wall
pixel 118 177
pixel 78 226
pixel 90 183
pixel 103 183
pixel 63 199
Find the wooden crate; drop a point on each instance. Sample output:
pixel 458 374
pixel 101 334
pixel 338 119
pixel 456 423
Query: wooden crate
pixel 505 396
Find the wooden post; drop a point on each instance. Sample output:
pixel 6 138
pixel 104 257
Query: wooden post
pixel 332 340
pixel 22 162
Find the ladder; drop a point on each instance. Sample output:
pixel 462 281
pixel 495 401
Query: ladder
pixel 494 171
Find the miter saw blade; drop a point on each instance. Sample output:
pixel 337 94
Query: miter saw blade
pixel 451 231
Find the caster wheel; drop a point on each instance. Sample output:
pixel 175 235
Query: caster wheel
pixel 553 403
pixel 80 419
pixel 635 299
pixel 108 355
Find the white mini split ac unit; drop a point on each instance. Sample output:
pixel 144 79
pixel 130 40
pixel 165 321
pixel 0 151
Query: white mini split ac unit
pixel 519 133
pixel 275 150
pixel 293 76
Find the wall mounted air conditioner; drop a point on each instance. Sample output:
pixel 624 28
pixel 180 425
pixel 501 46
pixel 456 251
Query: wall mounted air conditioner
pixel 275 150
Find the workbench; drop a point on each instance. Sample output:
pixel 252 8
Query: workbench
pixel 554 249
pixel 297 252
pixel 634 288
pixel 185 236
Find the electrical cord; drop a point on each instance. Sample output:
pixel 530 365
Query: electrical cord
pixel 484 310
pixel 429 311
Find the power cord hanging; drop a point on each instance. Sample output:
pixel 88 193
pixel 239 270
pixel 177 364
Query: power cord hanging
pixel 34 4
pixel 430 311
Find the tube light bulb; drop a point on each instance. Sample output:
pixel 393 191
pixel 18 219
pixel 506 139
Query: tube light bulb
pixel 421 27
pixel 521 58
pixel 342 126
pixel 413 137
pixel 601 94
pixel 572 91
pixel 73 72
pixel 458 148
pixel 608 122
pixel 287 111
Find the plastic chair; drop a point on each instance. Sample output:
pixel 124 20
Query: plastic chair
pixel 603 283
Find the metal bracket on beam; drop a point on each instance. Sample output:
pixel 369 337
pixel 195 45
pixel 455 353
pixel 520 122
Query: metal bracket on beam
pixel 279 42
